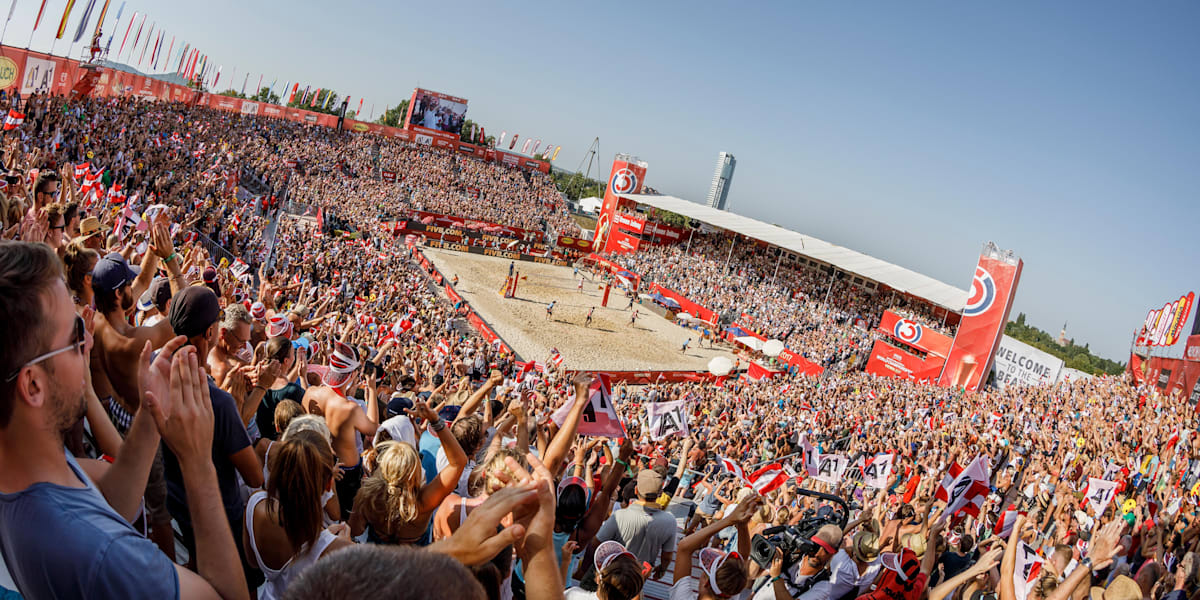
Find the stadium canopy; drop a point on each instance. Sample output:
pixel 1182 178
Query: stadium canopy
pixel 841 258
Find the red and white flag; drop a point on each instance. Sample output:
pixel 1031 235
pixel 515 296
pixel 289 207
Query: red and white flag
pixel 1028 568
pixel 963 490
pixel 81 170
pixel 667 419
pixel 1004 525
pixel 731 466
pixel 768 478
pixel 359 302
pixel 555 357
pixel 13 119
pixel 443 348
pixel 599 416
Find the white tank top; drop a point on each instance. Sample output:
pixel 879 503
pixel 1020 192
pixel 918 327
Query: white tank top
pixel 277 580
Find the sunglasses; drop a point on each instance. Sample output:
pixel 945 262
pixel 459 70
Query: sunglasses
pixel 77 342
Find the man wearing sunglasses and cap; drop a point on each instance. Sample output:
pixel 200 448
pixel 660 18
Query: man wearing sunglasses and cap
pixel 66 523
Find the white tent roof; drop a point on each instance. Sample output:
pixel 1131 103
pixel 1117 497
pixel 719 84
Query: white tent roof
pixel 845 259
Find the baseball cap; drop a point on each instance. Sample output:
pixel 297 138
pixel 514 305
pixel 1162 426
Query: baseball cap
pixel 193 311
pixel 156 295
pixel 398 405
pixel 609 551
pixel 711 560
pixel 449 413
pixel 112 272
pixel 649 483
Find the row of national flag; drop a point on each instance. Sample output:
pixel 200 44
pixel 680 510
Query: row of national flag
pixel 157 50
pixel 526 149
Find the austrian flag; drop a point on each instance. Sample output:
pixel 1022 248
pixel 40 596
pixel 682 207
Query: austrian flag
pixel 13 120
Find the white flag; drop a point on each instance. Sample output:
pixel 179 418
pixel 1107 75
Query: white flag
pixel 1099 493
pixel 1028 567
pixel 877 471
pixel 831 467
pixel 667 419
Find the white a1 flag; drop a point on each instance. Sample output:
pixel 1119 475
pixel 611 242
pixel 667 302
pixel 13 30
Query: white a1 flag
pixel 877 470
pixel 599 416
pixel 831 467
pixel 667 419
pixel 1099 493
pixel 1028 567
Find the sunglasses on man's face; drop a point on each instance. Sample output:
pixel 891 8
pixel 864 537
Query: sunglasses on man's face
pixel 78 339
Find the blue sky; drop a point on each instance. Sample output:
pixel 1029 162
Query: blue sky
pixel 911 131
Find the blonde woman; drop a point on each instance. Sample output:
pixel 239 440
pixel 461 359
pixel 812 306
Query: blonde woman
pixel 395 504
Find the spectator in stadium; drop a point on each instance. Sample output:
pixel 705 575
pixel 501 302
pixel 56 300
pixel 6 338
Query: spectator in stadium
pixel 47 494
pixel 284 531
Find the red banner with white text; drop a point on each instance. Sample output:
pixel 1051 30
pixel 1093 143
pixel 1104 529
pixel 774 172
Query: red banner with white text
pixel 889 361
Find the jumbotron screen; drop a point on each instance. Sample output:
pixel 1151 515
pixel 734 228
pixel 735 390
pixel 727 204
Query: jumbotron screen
pixel 434 110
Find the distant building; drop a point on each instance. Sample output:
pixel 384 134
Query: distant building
pixel 718 194
pixel 1062 336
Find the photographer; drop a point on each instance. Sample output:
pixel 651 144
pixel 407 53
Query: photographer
pixel 808 578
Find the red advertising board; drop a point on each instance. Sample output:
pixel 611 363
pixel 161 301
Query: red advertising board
pixel 574 243
pixel 915 334
pixel 649 377
pixel 687 305
pixel 803 365
pixel 1167 375
pixel 626 177
pixel 992 292
pixel 889 361
pixel 1192 350
pixel 659 234
pixel 430 218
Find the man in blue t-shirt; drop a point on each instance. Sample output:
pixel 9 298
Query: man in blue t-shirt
pixel 66 522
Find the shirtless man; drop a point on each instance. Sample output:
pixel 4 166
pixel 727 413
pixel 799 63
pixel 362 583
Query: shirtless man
pixel 231 362
pixel 346 418
pixel 115 358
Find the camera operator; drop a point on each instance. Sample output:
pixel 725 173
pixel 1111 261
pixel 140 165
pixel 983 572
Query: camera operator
pixel 808 578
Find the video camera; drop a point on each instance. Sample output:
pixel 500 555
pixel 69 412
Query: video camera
pixel 795 541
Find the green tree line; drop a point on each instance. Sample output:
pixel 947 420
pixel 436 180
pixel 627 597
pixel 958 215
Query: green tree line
pixel 1075 357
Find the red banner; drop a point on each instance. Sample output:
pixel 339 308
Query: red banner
pixel 803 365
pixel 626 177
pixel 441 220
pixel 574 243
pixel 915 334
pixel 1169 376
pixel 1192 350
pixel 889 361
pixel 757 372
pixel 687 305
pixel 649 377
pixel 453 295
pixel 992 292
